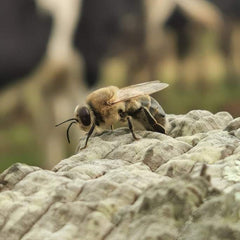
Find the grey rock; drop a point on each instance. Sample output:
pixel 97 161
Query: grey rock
pixel 234 127
pixel 197 121
pixel 183 185
pixel 217 218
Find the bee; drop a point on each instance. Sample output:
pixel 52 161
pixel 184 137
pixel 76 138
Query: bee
pixel 109 105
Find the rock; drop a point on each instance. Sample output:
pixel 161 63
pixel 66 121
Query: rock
pixel 234 127
pixel 217 218
pixel 184 185
pixel 197 121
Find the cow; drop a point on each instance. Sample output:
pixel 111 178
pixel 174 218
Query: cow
pixel 178 15
pixel 224 22
pixel 40 70
pixel 51 53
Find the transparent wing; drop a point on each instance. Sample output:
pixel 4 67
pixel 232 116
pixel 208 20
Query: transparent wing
pixel 132 91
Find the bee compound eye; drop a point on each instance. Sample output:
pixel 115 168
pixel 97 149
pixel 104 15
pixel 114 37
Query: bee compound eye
pixel 84 115
pixel 121 113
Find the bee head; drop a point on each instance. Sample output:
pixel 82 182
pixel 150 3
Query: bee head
pixel 83 115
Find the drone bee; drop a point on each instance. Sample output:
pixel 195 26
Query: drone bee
pixel 109 105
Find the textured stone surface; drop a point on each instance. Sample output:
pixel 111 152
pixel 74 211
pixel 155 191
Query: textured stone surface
pixel 184 185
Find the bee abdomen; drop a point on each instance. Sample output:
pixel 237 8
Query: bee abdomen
pixel 158 115
pixel 156 110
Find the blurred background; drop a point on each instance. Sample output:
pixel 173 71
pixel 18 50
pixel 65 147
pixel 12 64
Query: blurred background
pixel 54 52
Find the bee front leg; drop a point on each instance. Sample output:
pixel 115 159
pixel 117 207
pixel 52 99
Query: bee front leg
pixel 88 136
pixel 131 128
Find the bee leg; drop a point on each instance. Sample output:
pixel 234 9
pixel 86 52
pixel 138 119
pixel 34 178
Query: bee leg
pixel 131 128
pixel 88 136
pixel 152 121
pixel 112 127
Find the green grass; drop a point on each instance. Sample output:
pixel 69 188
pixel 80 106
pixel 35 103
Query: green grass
pixel 18 145
pixel 213 99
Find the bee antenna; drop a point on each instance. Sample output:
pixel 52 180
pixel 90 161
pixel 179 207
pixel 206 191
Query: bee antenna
pixel 71 119
pixel 68 138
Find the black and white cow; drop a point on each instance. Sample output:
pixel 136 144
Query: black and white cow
pixel 108 27
pixel 35 29
pixel 51 52
pixel 40 70
pixel 23 39
pixel 229 11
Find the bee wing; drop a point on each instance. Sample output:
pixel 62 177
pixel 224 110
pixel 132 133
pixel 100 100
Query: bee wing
pixel 132 91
